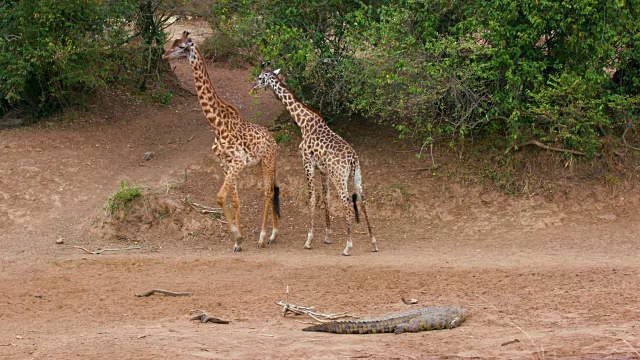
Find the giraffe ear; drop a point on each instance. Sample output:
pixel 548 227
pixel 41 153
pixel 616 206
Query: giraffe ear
pixel 185 35
pixel 276 71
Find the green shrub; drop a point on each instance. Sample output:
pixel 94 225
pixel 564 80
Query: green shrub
pixel 122 199
pixel 55 52
pixel 563 72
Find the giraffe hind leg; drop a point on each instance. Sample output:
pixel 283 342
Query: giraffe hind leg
pixel 235 201
pixel 326 190
pixel 268 171
pixel 275 214
pixel 357 181
pixel 348 212
pixel 374 243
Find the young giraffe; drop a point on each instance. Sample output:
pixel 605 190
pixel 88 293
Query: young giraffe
pixel 237 144
pixel 323 149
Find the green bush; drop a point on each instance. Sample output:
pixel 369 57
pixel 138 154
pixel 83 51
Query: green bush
pixel 562 72
pixel 56 51
pixel 122 199
pixel 221 47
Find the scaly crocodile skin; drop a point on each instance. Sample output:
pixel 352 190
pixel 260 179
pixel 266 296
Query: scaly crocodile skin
pixel 429 318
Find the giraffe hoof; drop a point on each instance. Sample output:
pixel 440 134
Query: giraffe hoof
pixel 375 248
pixel 237 249
pixel 327 241
pixel 260 245
pixel 308 247
pixel 271 241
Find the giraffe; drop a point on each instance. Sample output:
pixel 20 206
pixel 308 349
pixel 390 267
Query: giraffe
pixel 323 149
pixel 237 144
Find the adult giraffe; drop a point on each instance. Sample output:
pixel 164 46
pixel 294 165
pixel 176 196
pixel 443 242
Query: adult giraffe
pixel 237 144
pixel 323 149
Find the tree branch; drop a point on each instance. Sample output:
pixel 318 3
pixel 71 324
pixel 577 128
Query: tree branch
pixel 547 147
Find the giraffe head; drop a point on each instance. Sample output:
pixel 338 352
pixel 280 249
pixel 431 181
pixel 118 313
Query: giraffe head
pixel 266 77
pixel 181 47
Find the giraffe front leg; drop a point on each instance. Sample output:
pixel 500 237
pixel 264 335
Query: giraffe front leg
pixel 309 169
pixel 326 189
pixel 228 186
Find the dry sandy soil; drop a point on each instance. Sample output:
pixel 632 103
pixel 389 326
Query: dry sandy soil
pixel 554 277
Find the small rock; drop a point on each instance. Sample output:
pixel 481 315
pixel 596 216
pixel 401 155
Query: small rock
pixel 148 155
pixel 60 241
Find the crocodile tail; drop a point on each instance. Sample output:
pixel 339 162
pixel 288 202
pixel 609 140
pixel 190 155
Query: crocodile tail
pixel 319 327
pixel 353 327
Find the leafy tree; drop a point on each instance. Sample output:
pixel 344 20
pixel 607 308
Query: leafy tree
pixel 55 50
pixel 562 72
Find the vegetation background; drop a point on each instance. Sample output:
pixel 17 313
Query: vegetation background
pixel 563 75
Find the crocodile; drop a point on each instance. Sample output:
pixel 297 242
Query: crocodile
pixel 428 318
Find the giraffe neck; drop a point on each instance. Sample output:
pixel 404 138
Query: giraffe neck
pixel 212 105
pixel 306 119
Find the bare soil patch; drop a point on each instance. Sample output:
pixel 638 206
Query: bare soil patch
pixel 558 273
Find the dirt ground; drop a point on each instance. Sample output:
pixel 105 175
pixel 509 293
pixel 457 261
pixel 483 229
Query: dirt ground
pixel 544 277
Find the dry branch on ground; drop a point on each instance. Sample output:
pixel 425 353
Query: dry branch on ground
pixel 165 292
pixel 100 251
pixel 203 317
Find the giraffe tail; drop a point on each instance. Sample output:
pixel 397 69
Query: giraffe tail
pixel 354 198
pixel 276 200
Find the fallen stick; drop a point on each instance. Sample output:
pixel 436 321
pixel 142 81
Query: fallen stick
pixel 304 310
pixel 100 251
pixel 165 292
pixel 203 318
pixel 203 208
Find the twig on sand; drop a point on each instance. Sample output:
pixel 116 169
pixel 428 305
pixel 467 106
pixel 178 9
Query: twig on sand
pixel 304 310
pixel 202 208
pixel 100 251
pixel 165 292
pixel 540 351
pixel 203 317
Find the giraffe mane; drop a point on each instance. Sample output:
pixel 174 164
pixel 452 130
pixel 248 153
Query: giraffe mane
pixel 295 98
pixel 234 111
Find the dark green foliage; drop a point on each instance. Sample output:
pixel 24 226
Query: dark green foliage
pixel 221 47
pixel 54 52
pixel 563 72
